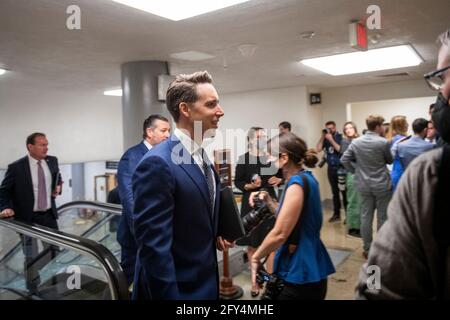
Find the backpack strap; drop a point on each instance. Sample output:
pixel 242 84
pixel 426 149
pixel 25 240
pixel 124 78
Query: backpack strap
pixel 441 225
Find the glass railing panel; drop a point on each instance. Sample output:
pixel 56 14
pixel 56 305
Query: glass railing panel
pixel 46 270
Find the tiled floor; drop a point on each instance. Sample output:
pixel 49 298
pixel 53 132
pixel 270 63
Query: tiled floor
pixel 341 285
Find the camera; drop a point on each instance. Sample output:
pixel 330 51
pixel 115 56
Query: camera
pixel 322 162
pixel 274 284
pixel 259 213
pixel 255 177
pixel 326 130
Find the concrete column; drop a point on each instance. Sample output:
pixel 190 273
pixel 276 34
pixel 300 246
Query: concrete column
pixel 140 97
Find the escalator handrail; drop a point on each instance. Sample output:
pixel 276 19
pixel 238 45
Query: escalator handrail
pixel 94 205
pixel 115 277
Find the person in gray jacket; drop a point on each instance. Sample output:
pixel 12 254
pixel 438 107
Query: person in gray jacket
pixel 367 157
pixel 407 254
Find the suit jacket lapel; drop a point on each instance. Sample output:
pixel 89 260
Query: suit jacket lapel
pixel 53 171
pixel 143 148
pixel 217 200
pixel 29 179
pixel 188 164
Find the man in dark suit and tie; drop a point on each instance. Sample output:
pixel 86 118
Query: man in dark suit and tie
pixel 176 201
pixel 156 128
pixel 28 193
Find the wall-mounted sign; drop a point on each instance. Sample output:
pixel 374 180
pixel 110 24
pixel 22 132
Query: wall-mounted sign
pixel 112 165
pixel 315 98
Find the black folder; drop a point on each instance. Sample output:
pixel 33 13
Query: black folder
pixel 230 223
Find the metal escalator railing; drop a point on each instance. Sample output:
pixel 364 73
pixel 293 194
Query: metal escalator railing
pixel 112 209
pixel 93 205
pixel 103 257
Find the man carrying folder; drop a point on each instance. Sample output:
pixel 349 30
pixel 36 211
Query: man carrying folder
pixel 176 201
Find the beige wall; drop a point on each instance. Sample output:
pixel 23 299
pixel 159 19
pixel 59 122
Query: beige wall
pixel 86 129
pixel 412 108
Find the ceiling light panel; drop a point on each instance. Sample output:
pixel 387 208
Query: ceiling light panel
pixel 366 61
pixel 179 9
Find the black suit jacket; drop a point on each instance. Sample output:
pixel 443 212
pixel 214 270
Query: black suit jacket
pixel 16 190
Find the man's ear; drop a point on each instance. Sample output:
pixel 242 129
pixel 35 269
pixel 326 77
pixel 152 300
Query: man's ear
pixel 185 110
pixel 149 132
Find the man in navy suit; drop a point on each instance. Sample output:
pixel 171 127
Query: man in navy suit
pixel 28 193
pixel 156 128
pixel 176 201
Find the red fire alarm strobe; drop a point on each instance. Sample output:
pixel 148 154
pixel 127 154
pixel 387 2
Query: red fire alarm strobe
pixel 358 36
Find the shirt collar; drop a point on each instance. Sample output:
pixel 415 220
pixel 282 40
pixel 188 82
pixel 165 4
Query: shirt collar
pixel 417 138
pixel 147 144
pixel 33 160
pixel 189 144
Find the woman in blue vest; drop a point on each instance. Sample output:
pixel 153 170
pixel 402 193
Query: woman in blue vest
pixel 301 261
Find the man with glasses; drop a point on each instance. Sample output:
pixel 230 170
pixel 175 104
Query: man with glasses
pixel 411 249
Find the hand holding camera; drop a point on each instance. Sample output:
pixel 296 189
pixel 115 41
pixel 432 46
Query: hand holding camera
pixel 259 197
pixel 255 183
pixel 260 276
pixel 275 181
pixel 263 208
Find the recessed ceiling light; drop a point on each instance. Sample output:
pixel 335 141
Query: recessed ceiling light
pixel 307 35
pixel 2 71
pixel 366 61
pixel 179 9
pixel 247 50
pixel 191 56
pixel 115 92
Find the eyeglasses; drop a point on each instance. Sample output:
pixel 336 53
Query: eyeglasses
pixel 435 79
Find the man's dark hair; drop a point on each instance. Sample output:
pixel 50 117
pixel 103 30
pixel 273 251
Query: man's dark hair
pixel 150 123
pixel 419 125
pixel 184 89
pixel 285 125
pixel 31 139
pixel 374 121
pixel 330 122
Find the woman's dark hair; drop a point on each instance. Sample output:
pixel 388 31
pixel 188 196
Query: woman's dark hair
pixel 296 148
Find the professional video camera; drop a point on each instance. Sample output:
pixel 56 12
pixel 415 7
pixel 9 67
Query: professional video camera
pixel 259 213
pixel 274 284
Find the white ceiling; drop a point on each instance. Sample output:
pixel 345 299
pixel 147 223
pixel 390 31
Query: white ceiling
pixel 44 55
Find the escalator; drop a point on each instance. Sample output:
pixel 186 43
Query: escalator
pixel 78 262
pixel 93 222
